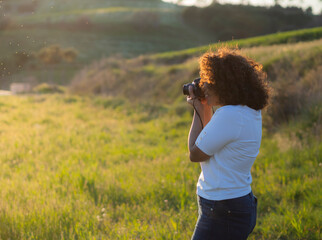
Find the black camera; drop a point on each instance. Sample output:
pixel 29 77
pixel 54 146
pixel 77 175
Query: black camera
pixel 197 91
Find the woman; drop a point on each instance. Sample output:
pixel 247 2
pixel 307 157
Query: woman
pixel 228 144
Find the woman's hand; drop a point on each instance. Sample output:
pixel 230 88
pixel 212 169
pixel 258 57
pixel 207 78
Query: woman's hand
pixel 199 105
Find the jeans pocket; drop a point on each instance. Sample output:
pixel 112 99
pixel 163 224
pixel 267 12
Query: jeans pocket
pixel 206 207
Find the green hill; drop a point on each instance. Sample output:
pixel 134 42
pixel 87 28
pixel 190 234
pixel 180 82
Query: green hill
pixel 289 37
pixel 160 77
pixel 96 29
pixel 87 25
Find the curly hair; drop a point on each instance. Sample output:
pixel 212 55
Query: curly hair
pixel 235 79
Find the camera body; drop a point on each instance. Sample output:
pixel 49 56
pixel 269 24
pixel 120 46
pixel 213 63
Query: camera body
pixel 197 91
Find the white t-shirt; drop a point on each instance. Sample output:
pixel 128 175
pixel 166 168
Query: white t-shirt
pixel 232 138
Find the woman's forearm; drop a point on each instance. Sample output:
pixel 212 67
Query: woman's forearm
pixel 196 126
pixel 195 130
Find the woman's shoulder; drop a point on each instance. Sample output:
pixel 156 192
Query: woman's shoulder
pixel 236 110
pixel 236 115
pixel 229 110
pixel 228 114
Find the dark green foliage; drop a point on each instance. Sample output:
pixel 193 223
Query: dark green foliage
pixel 241 21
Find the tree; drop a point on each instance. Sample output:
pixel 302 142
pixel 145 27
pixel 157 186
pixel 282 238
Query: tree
pixel 309 11
pixel 69 54
pixel 50 55
pixel 54 54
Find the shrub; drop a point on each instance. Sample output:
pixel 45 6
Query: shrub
pixel 69 54
pixel 54 54
pixel 50 55
pixel 46 88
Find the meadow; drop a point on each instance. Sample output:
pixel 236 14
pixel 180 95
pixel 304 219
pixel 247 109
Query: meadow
pixel 106 168
pixel 108 159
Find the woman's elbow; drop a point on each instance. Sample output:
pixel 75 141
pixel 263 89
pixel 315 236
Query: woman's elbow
pixel 193 158
pixel 198 156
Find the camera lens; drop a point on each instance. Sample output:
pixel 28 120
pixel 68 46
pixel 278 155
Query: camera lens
pixel 185 89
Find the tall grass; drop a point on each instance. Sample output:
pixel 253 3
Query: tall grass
pixel 104 168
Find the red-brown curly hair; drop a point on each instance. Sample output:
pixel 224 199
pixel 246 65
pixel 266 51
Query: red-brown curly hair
pixel 234 78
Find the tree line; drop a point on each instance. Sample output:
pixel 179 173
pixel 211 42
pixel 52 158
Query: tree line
pixel 241 21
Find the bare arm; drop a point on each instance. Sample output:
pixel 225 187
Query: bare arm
pixel 205 112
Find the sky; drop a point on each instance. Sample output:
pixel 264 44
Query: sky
pixel 315 4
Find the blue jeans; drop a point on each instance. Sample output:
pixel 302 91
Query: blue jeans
pixel 227 219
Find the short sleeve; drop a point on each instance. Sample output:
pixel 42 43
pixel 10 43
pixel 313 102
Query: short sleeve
pixel 223 128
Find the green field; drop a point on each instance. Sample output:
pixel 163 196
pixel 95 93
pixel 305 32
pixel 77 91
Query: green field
pixel 103 168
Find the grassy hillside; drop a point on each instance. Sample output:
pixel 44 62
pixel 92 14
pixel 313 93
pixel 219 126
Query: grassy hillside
pixel 266 40
pixel 159 78
pixel 88 16
pixel 96 29
pixel 105 168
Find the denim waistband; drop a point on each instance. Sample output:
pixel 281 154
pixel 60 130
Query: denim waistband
pixel 229 200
